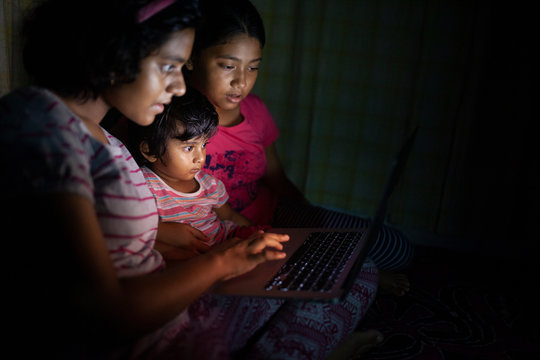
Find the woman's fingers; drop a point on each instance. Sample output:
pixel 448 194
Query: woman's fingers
pixel 250 252
pixel 269 254
pixel 262 241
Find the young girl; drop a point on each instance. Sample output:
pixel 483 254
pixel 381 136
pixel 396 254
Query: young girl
pixel 171 152
pixel 82 277
pixel 226 56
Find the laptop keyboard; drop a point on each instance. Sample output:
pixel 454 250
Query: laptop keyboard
pixel 316 265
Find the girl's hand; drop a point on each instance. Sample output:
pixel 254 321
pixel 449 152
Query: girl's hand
pixel 181 236
pixel 242 255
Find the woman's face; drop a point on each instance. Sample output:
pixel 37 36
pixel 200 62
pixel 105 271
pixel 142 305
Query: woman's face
pixel 159 80
pixel 226 72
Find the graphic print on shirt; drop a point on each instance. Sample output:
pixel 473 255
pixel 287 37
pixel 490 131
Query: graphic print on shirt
pixel 226 167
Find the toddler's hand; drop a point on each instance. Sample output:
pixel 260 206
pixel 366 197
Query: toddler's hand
pixel 185 238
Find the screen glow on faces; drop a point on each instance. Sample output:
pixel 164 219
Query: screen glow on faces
pixel 159 80
pixel 226 73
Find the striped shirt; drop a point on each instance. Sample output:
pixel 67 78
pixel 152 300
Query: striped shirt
pixel 53 151
pixel 195 208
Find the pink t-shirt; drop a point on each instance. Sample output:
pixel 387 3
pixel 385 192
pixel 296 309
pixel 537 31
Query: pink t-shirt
pixel 236 156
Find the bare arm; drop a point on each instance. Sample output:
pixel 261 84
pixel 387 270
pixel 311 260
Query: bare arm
pixel 130 307
pixel 277 180
pixel 226 212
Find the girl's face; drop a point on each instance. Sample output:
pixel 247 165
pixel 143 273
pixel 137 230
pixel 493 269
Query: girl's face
pixel 181 162
pixel 159 80
pixel 226 72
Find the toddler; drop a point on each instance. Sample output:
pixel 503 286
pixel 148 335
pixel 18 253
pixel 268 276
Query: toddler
pixel 171 152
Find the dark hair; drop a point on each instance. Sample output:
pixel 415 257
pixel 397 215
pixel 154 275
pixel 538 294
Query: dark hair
pixel 185 118
pixel 76 47
pixel 224 19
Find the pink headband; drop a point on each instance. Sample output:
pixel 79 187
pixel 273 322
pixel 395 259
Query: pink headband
pixel 152 9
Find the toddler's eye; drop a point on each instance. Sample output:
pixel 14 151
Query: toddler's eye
pixel 188 148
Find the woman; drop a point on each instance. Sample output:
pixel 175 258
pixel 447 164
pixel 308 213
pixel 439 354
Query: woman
pixel 81 258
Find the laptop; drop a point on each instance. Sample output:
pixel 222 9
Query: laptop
pixel 341 252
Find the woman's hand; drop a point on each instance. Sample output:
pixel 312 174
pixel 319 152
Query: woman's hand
pixel 170 252
pixel 242 255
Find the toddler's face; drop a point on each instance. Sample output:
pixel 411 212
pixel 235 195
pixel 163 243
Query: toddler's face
pixel 181 162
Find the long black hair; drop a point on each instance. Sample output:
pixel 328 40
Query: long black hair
pixel 187 117
pixel 76 48
pixel 224 19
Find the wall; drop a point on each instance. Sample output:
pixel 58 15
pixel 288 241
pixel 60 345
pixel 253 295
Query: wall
pixel 347 81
